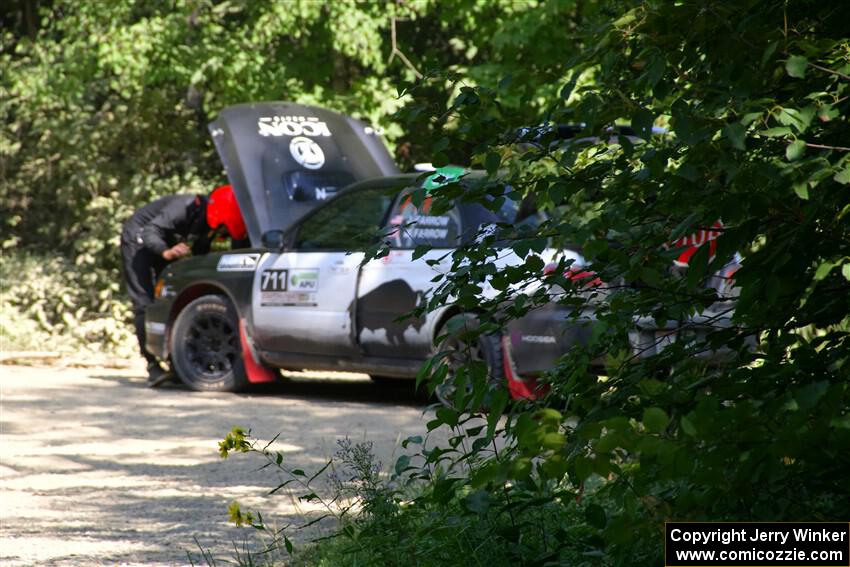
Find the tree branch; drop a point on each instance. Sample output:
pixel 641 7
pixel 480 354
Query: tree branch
pixel 397 51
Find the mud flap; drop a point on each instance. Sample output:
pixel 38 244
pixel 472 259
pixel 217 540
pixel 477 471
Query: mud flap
pixel 519 388
pixel 255 370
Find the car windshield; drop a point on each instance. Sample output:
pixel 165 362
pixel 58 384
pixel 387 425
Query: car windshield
pixel 410 226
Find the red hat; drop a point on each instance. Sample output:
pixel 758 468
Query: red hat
pixel 222 208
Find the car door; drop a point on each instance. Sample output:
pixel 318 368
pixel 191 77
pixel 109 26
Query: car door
pixel 303 298
pixel 392 286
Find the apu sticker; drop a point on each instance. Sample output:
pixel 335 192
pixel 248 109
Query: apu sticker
pixel 238 263
pixel 292 126
pixel 304 280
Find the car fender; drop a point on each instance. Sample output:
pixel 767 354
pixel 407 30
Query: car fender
pixel 211 274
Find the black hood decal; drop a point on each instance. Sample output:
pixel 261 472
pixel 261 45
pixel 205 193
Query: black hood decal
pixel 284 159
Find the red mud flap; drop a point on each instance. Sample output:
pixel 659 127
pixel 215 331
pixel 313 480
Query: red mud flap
pixel 256 371
pixel 519 388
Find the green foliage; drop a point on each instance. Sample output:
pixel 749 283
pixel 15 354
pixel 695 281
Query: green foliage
pixel 47 304
pixel 754 97
pixel 419 512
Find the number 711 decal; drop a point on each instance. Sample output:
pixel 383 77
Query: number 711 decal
pixel 274 280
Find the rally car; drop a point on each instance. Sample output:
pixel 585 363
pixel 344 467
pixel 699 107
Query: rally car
pixel 315 188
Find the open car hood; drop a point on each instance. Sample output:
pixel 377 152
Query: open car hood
pixel 285 159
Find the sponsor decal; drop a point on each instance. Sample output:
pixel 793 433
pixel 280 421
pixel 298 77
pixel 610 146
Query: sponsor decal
pixel 304 280
pixel 280 287
pixel 155 328
pixel 288 298
pixel 443 176
pixel 539 339
pixel 307 153
pixel 238 263
pixel 292 126
pixel 692 242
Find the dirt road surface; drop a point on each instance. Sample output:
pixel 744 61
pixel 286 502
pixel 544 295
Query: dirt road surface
pixel 97 469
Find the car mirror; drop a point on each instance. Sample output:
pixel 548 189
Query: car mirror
pixel 273 239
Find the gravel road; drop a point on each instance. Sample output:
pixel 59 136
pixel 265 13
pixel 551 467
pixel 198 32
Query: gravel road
pixel 97 469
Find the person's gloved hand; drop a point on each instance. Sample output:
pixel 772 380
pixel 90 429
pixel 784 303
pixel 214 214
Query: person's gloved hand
pixel 179 250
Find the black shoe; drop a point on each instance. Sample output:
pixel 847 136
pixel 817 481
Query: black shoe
pixel 157 375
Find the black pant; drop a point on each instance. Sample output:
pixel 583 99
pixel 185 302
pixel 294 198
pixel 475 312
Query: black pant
pixel 141 269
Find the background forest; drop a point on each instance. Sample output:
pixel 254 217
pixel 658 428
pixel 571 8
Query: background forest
pixel 105 107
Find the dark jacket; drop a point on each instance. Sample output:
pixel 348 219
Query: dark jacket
pixel 163 223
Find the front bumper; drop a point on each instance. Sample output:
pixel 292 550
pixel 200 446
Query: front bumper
pixel 156 329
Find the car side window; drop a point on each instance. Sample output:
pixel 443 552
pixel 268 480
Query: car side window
pixel 349 222
pixel 411 226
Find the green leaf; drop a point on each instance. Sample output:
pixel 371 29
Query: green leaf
pixel 845 271
pixel 548 416
pixel 843 176
pixel 492 162
pixel 420 250
pixel 478 501
pixel 596 516
pixel 809 395
pixel 401 464
pixel 827 113
pixel 736 133
pixel 802 190
pixel 440 159
pixel 776 132
pixel 823 270
pixel 583 467
pixel 553 441
pixel 642 122
pixel 415 439
pixel 796 66
pixel 768 52
pixel 688 426
pixel 655 419
pixel 795 150
pixel 554 468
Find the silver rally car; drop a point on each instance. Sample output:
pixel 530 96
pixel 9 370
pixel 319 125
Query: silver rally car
pixel 301 296
pixel 315 189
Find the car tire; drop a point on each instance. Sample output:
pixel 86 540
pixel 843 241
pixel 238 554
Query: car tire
pixel 206 352
pixel 487 349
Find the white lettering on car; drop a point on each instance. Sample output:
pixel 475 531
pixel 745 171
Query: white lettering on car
pixel 292 126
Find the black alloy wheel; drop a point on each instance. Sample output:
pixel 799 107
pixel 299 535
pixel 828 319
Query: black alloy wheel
pixel 206 352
